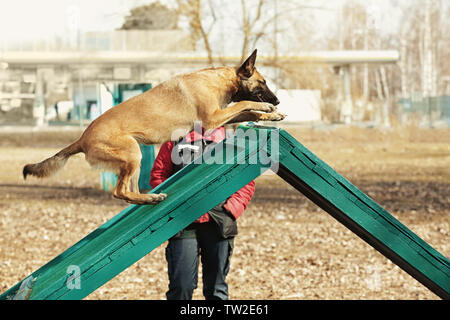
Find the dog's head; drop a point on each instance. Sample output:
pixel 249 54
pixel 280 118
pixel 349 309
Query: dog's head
pixel 252 85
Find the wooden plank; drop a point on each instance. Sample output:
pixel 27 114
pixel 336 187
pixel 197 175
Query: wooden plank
pixel 137 230
pixel 365 217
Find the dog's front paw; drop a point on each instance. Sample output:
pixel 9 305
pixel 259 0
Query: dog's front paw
pixel 160 197
pixel 267 107
pixel 274 116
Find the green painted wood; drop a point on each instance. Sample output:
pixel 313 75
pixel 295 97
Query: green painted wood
pixel 137 230
pixel 364 216
pixel 148 158
pixel 108 180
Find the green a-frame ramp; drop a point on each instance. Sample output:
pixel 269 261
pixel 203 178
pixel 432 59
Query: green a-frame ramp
pixel 137 230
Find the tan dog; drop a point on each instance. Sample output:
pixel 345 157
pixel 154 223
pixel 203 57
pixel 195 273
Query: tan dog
pixel 112 140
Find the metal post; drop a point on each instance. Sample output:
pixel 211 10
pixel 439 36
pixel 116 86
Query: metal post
pixel 347 107
pixel 82 98
pixel 39 100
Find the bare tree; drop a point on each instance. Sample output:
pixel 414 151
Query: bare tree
pixel 248 26
pixel 427 57
pixel 422 41
pixel 405 62
pixel 154 16
pixel 256 22
pixel 192 10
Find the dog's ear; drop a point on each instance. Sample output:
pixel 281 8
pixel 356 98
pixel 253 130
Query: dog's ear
pixel 248 67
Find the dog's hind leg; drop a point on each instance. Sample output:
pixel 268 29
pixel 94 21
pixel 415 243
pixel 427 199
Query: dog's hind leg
pixel 123 190
pixel 134 182
pixel 123 155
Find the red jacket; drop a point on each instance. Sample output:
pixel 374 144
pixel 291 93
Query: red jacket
pixel 163 169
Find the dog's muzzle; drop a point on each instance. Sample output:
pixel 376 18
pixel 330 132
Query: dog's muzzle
pixel 269 98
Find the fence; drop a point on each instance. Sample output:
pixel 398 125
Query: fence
pixel 431 111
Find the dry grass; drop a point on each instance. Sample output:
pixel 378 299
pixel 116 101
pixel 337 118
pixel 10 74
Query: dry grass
pixel 287 247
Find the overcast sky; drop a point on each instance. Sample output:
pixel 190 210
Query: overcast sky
pixel 27 19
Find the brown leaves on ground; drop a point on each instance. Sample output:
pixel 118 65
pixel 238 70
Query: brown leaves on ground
pixel 287 247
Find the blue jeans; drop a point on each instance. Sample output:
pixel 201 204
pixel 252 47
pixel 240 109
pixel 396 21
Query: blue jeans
pixel 182 254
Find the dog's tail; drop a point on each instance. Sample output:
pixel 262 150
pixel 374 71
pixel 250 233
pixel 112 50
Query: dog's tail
pixel 51 165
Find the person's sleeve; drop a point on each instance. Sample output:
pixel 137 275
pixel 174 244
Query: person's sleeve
pixel 162 167
pixel 237 203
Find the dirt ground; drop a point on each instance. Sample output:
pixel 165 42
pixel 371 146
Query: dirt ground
pixel 287 247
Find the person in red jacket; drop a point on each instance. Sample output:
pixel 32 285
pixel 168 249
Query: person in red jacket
pixel 210 237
